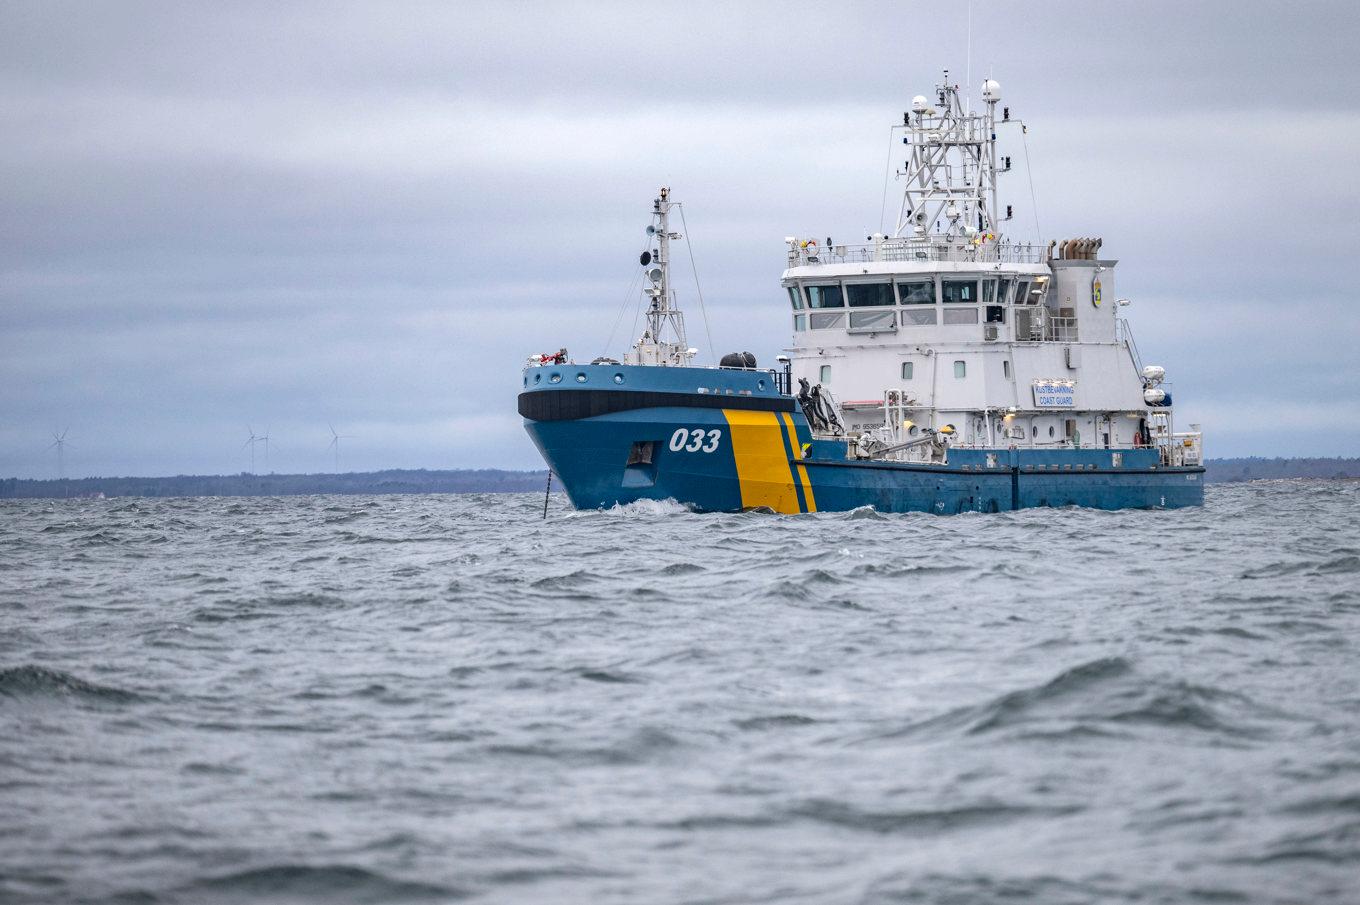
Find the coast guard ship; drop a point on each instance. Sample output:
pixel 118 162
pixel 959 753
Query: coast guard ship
pixel 940 368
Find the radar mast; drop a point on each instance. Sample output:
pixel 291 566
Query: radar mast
pixel 663 315
pixel 951 177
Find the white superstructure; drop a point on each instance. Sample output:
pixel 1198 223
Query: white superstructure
pixel 945 329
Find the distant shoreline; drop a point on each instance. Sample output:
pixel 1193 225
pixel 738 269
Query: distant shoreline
pixel 422 480
pixel 495 480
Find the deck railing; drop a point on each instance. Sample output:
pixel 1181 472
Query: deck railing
pixel 904 250
pixel 1060 329
pixel 1124 335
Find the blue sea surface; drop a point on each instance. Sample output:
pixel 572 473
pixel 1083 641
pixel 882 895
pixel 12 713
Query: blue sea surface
pixel 447 698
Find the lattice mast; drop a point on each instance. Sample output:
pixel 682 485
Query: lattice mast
pixel 951 177
pixel 663 315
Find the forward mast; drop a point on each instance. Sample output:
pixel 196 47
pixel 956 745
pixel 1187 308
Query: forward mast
pixel 663 314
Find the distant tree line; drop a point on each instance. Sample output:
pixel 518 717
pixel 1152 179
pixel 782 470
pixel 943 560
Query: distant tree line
pixel 1258 469
pixel 495 480
pixel 487 480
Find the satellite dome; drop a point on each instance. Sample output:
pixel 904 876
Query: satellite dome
pixel 919 104
pixel 991 90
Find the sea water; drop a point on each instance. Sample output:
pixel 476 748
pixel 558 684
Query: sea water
pixel 448 698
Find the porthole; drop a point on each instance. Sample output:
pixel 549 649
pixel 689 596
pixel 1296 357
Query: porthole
pixel 555 378
pixel 760 384
pixel 538 378
pixel 581 377
pixel 526 380
pixel 618 378
pixel 1050 430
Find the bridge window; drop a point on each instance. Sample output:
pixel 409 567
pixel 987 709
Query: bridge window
pixel 869 295
pixel 960 369
pixel 917 292
pixel 825 296
pixel 825 320
pixel 1022 296
pixel 960 316
pixel 988 291
pixel 825 374
pixel 1003 291
pixel 959 292
pixel 873 320
pixel 795 298
pixel 918 317
pixel 996 314
pixel 907 369
pixel 800 322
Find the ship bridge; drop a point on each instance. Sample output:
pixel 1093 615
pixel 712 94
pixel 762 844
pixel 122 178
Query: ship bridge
pixel 946 322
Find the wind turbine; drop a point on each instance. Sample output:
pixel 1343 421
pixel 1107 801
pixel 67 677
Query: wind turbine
pixel 335 444
pixel 59 443
pixel 265 440
pixel 251 443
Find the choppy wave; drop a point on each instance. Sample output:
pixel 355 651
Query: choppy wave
pixel 309 883
pixel 429 699
pixel 30 681
pixel 1107 696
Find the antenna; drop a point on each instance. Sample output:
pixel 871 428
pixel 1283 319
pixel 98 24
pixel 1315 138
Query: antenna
pixel 59 443
pixel 968 68
pixel 335 444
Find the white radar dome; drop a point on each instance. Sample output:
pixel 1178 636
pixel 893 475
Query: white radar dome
pixel 991 90
pixel 918 104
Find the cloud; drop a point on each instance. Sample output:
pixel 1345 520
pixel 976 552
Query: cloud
pixel 288 214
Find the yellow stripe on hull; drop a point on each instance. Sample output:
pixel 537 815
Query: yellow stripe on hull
pixel 763 468
pixel 802 469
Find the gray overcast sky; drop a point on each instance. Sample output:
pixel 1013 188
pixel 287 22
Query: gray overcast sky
pixel 283 214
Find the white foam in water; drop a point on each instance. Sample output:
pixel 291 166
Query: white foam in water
pixel 647 509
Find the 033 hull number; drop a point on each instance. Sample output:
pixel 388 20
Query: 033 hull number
pixel 697 440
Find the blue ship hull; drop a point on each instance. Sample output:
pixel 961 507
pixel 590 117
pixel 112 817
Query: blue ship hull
pixel 727 440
